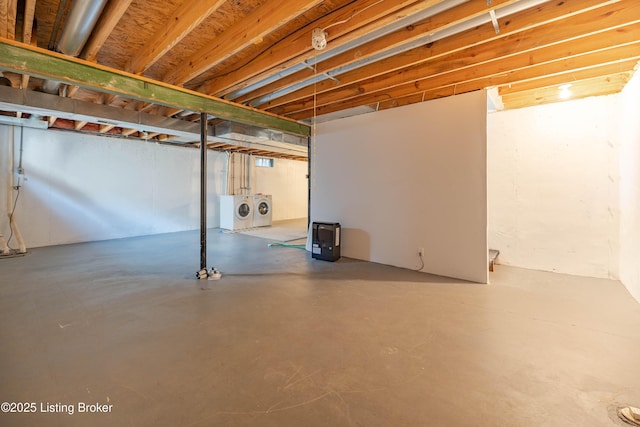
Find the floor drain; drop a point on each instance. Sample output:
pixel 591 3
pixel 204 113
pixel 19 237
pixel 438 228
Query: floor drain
pixel 630 415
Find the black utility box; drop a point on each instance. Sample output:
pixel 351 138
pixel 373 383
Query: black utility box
pixel 325 241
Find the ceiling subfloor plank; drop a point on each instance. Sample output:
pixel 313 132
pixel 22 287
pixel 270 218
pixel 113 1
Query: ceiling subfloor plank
pixel 51 65
pixel 187 17
pixel 8 15
pixel 253 27
pixel 107 22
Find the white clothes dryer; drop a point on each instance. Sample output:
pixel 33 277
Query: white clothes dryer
pixel 262 210
pixel 236 212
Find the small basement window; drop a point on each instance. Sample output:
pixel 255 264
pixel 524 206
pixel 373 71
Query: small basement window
pixel 264 162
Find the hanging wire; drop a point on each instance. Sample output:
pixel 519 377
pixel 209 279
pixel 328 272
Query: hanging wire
pixel 15 203
pixel 352 16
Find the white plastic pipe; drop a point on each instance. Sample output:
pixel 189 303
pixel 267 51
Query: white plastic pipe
pixel 10 200
pixel 4 248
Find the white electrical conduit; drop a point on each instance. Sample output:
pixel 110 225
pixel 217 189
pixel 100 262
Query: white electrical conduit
pixel 429 38
pixel 394 26
pixel 250 173
pixel 229 190
pixel 10 199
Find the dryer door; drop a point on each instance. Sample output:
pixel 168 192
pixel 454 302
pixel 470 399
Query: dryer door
pixel 263 208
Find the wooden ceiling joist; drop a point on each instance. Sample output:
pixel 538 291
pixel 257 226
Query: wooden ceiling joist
pixel 109 19
pixel 296 48
pixel 484 76
pixel 50 65
pixel 252 28
pixel 592 87
pixel 187 17
pixel 405 35
pixel 229 47
pixel 473 45
pixel 569 76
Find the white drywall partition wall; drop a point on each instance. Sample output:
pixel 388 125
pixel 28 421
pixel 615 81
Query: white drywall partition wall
pixel 287 182
pixel 553 187
pixel 407 178
pixel 83 188
pixel 630 186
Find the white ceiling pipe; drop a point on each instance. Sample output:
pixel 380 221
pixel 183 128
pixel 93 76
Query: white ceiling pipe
pixel 437 35
pixel 82 19
pixel 380 32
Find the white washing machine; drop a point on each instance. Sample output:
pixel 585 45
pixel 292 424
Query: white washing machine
pixel 236 212
pixel 262 210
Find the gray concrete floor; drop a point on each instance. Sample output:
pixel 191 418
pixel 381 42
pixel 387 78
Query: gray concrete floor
pixel 284 340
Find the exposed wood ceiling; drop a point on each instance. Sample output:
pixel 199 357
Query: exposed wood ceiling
pixel 380 53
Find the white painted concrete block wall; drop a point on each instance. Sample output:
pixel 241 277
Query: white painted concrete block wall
pixel 85 188
pixel 287 183
pixel 553 187
pixel 406 178
pixel 4 180
pixel 630 186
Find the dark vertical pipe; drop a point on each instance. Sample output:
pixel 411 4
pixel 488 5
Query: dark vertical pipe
pixel 203 190
pixel 308 181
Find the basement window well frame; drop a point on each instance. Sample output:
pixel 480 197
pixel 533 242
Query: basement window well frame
pixel 265 162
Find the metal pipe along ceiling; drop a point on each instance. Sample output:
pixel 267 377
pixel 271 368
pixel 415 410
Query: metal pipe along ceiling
pixel 380 32
pixel 82 18
pixel 437 35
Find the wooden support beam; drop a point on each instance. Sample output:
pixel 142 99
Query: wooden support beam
pixel 187 17
pixel 51 120
pixel 41 63
pixel 79 124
